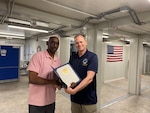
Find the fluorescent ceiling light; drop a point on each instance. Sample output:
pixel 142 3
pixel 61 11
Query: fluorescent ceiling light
pixel 26 28
pixel 105 36
pixel 44 40
pixel 11 36
pixel 42 24
pixel 19 21
pixel 145 42
pixel 128 40
pixel 108 42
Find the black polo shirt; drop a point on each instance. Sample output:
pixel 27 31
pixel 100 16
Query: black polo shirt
pixel 87 62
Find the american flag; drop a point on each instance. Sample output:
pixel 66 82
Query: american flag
pixel 114 53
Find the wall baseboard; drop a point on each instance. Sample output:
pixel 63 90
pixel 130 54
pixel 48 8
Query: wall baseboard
pixel 114 80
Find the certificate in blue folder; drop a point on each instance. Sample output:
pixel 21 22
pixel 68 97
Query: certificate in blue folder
pixel 67 74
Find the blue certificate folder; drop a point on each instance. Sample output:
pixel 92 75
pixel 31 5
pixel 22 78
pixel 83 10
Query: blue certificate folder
pixel 66 74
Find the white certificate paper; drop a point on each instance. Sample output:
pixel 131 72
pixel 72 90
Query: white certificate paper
pixel 67 74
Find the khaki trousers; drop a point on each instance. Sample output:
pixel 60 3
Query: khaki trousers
pixel 79 108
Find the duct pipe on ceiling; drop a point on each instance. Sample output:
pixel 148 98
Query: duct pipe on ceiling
pixel 121 9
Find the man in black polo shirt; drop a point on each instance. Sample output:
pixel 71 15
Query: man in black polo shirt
pixel 85 64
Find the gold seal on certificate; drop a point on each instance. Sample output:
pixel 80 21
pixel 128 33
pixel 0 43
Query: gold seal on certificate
pixel 65 71
pixel 67 74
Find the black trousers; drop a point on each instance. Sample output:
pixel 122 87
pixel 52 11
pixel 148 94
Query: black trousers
pixel 42 109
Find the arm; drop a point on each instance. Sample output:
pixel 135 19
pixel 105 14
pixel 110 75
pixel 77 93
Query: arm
pixel 85 82
pixel 34 79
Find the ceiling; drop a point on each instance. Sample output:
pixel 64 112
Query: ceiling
pixel 58 16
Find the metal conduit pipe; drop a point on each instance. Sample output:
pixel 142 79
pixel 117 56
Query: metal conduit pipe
pixel 132 16
pixel 121 9
pixel 9 10
pixel 99 16
pixel 102 15
pixel 135 18
pixel 109 12
pixel 86 21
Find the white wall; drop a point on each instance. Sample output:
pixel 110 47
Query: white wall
pixel 115 70
pixel 31 47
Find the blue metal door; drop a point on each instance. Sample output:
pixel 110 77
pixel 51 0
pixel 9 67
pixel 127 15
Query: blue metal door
pixel 9 62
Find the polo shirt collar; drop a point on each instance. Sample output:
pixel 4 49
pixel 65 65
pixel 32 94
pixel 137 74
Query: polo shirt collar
pixel 84 53
pixel 48 56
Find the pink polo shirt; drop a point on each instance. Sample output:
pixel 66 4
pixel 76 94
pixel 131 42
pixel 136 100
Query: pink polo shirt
pixel 41 95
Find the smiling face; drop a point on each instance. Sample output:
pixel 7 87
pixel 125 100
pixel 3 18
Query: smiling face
pixel 80 43
pixel 53 44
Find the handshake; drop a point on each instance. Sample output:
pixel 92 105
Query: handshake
pixel 68 89
pixel 60 84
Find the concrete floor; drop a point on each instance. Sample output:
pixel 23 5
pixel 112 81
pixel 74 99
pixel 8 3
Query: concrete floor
pixel 114 97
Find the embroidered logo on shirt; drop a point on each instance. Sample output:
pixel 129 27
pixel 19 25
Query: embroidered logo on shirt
pixel 85 62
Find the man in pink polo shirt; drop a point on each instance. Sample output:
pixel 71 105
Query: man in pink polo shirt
pixel 42 80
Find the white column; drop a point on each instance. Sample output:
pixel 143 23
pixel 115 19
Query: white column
pixel 64 50
pixel 95 44
pixel 135 65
